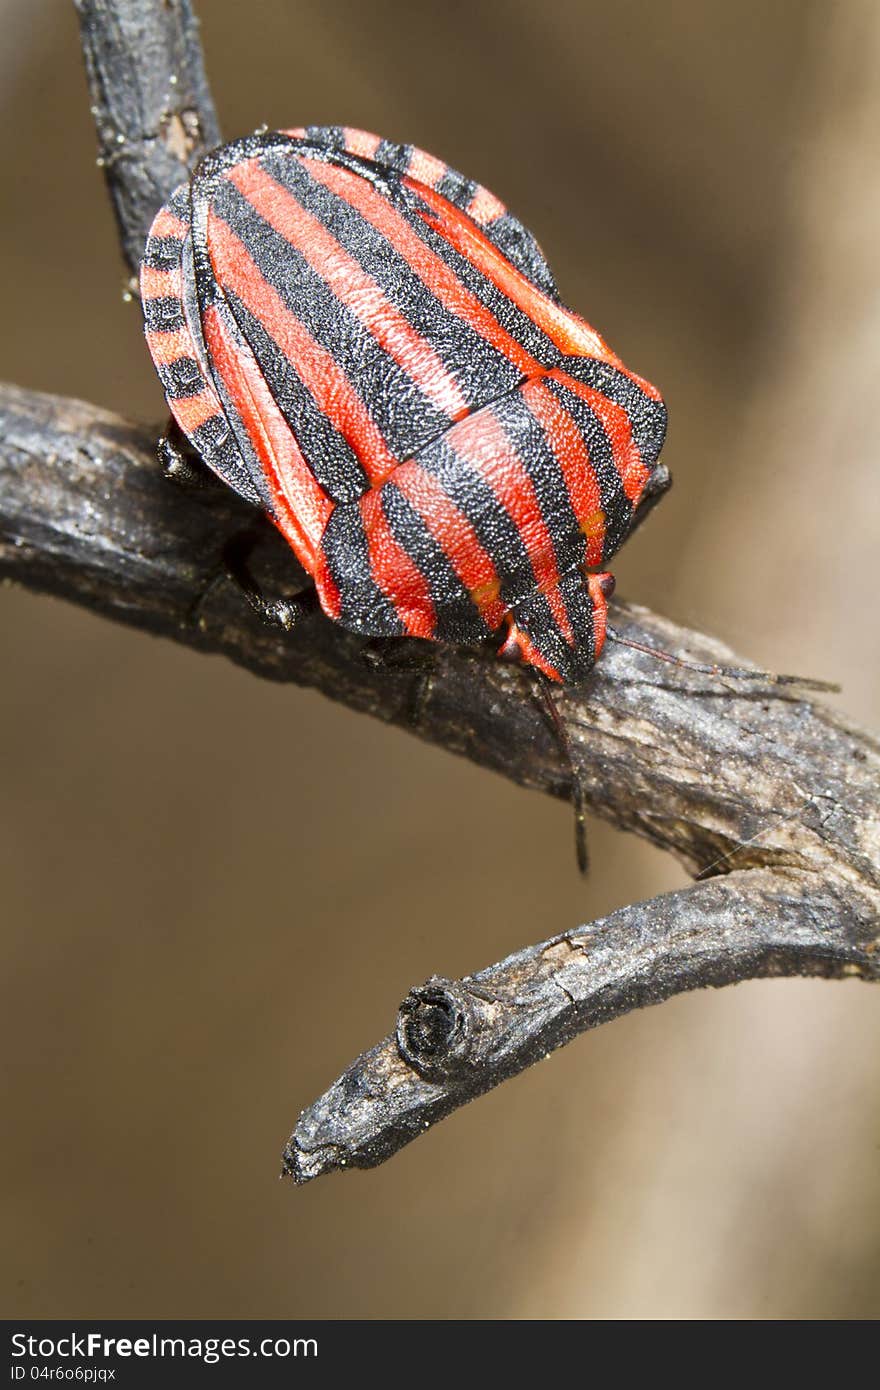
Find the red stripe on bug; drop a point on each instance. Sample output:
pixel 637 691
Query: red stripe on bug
pixel 426 168
pixel 361 142
pixel 485 207
pixel 517 645
pixel 300 506
pixel 166 223
pixel 325 585
pixel 570 333
pixel 430 268
pixel 169 346
pixel 399 578
pixel 571 453
pixel 481 441
pixel 192 411
pixel 352 286
pixel 456 537
pixel 160 284
pixel 322 376
pixel 599 590
pixel 617 426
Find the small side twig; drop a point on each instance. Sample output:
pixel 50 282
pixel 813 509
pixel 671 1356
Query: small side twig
pixel 457 1039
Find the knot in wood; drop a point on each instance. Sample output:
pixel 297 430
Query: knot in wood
pixel 435 1029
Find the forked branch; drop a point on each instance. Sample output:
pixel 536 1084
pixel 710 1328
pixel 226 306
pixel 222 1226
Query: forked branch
pixel 776 794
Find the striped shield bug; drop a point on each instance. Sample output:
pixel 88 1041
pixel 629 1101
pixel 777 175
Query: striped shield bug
pixel 371 348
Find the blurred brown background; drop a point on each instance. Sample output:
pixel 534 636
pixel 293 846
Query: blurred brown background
pixel 215 891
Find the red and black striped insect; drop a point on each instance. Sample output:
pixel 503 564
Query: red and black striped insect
pixel 372 348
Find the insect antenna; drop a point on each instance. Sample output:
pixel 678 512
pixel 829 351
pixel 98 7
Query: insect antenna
pixel 577 791
pixel 740 673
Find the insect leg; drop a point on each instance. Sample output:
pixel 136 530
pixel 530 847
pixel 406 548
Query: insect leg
pixel 392 654
pixel 398 654
pixel 181 464
pixel 279 610
pixel 577 790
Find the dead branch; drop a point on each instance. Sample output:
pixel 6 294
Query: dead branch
pixel 457 1039
pixel 151 102
pixel 774 792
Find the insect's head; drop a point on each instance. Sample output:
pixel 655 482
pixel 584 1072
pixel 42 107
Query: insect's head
pixel 561 631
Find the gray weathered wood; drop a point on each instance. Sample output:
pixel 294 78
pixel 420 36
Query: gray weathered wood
pixel 777 787
pixel 151 103
pixel 457 1039
pixel 769 797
